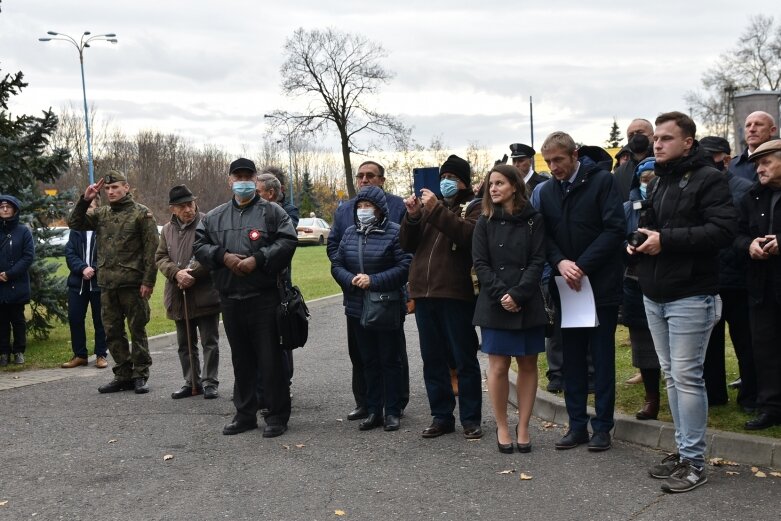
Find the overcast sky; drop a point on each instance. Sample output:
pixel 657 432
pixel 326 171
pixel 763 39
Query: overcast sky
pixel 464 70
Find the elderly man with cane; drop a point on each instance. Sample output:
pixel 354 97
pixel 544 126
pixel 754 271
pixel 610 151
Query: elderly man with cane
pixel 190 298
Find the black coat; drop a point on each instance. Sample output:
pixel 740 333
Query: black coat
pixel 755 222
pixel 587 226
pixel 508 252
pixel 695 218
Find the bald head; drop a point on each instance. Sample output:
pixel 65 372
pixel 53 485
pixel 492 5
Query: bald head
pixel 760 127
pixel 640 126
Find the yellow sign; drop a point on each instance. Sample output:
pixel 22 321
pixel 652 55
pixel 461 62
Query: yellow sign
pixel 51 191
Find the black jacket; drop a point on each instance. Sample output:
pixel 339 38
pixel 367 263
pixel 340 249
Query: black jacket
pixel 587 226
pixel 508 252
pixel 755 222
pixel 695 217
pixel 733 262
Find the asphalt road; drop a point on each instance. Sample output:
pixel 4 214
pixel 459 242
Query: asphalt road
pixel 71 453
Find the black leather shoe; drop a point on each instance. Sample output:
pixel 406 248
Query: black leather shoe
pixel 272 431
pixel 572 439
pixel 438 429
pixel 504 448
pixel 185 391
pixel 473 432
pixel 210 392
pixel 392 423
pixel 140 386
pixel 236 427
pixel 359 413
pixel 599 441
pixel 114 386
pixel 371 421
pixel 763 421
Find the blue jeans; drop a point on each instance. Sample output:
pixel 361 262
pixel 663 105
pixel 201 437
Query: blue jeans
pixel 681 330
pixel 601 340
pixel 77 313
pixel 445 329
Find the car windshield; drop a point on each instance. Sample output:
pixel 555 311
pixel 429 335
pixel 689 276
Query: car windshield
pixel 307 221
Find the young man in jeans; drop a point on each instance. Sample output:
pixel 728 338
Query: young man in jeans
pixel 678 270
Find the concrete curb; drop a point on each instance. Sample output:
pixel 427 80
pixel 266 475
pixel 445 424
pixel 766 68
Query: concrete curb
pixel 730 446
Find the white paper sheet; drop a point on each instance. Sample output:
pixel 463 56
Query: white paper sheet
pixel 577 307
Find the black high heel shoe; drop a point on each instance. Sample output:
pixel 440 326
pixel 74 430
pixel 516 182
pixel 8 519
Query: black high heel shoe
pixel 522 447
pixel 504 448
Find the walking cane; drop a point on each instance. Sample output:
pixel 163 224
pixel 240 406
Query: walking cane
pixel 189 343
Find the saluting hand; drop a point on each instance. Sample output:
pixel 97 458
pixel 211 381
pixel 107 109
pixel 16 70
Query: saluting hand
pixel 94 189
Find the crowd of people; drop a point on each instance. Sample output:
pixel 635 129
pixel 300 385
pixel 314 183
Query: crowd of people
pixel 676 242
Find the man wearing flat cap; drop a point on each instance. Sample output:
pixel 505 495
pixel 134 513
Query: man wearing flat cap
pixel 247 243
pixel 439 233
pixel 759 227
pixel 127 240
pixel 190 298
pixel 523 159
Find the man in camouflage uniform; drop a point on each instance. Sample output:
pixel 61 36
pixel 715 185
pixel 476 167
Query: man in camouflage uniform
pixel 127 240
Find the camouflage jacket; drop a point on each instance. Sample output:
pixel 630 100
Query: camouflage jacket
pixel 127 241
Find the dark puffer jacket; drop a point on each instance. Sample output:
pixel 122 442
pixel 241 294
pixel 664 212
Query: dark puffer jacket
pixel 508 252
pixel 383 259
pixel 17 252
pixel 695 218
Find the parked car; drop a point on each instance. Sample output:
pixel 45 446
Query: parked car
pixel 313 230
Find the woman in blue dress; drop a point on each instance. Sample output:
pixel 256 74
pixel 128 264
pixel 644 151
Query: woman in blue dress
pixel 508 252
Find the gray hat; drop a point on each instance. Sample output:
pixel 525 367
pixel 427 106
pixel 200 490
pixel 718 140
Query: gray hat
pixel 180 194
pixel 765 149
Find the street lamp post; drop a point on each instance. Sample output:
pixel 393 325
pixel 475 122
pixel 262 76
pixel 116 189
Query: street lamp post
pixel 82 44
pixel 289 157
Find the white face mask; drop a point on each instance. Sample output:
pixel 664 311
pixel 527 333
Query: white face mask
pixel 366 215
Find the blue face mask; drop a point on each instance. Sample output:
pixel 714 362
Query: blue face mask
pixel 366 216
pixel 243 189
pixel 643 190
pixel 448 187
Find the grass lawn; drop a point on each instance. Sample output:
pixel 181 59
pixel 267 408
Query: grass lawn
pixel 311 272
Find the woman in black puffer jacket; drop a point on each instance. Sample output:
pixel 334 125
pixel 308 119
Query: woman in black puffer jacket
pixel 369 258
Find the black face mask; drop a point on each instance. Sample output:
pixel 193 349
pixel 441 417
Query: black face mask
pixel 638 143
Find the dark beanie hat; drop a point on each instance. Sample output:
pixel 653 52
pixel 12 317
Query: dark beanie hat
pixel 458 167
pixel 714 144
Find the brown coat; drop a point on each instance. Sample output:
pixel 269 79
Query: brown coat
pixel 174 253
pixel 442 243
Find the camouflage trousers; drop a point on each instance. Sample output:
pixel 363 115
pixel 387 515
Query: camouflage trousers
pixel 116 305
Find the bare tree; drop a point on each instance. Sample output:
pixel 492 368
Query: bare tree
pixel 336 72
pixel 753 64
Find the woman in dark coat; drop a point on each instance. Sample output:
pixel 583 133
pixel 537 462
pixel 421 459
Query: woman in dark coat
pixel 508 251
pixel 370 258
pixel 17 252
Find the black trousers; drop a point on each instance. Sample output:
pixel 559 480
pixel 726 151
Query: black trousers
pixel 766 341
pixel 251 328
pixel 358 373
pixel 12 318
pixel 735 313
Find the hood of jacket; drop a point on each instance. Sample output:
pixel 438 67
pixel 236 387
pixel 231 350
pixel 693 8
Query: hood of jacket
pixel 597 154
pixel 12 221
pixel 376 196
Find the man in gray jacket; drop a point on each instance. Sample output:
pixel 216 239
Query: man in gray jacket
pixel 190 298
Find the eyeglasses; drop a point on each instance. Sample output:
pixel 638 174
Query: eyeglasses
pixel 6 206
pixel 368 176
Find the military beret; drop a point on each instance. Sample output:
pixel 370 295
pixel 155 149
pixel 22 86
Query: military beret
pixel 765 149
pixel 114 176
pixel 180 194
pixel 520 150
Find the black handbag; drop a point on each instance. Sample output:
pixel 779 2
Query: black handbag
pixel 292 317
pixel 381 309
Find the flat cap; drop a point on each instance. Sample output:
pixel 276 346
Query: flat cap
pixel 114 176
pixel 520 150
pixel 766 148
pixel 180 194
pixel 243 164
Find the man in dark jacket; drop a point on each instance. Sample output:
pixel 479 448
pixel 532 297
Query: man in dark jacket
pixel 678 271
pixel 17 252
pixel 733 265
pixel 585 225
pixel 439 233
pixel 370 173
pixel 246 243
pixel 760 225
pixel 638 135
pixel 190 298
pixel 760 127
pixel 522 157
pixel 81 256
pixel 127 240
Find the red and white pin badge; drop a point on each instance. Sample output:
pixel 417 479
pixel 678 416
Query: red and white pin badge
pixel 254 235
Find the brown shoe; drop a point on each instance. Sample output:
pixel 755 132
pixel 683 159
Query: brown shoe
pixel 454 381
pixel 101 362
pixel 636 379
pixel 76 361
pixel 650 410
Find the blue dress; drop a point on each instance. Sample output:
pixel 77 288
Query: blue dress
pixel 513 342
